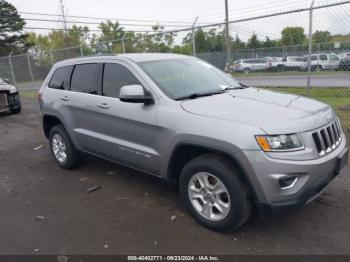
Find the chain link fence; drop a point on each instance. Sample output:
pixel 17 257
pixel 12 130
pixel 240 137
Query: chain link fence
pixel 305 50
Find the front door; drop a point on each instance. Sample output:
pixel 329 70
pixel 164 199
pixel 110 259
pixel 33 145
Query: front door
pixel 123 132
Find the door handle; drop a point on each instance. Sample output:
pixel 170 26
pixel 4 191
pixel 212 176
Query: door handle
pixel 65 98
pixel 103 106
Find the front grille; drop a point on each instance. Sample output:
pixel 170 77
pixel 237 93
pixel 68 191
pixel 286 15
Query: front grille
pixel 3 100
pixel 327 138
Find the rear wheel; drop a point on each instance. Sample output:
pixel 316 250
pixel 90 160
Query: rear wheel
pixel 246 70
pixel 318 68
pixel 62 148
pixel 214 193
pixel 281 68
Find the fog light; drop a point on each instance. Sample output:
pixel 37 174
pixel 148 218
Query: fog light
pixel 287 182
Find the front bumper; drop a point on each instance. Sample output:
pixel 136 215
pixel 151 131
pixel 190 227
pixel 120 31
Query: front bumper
pixel 313 176
pixel 9 100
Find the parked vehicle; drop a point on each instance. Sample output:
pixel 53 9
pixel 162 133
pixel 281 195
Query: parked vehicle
pixel 230 148
pixel 249 65
pixel 9 97
pixel 321 62
pixel 345 62
pixel 287 63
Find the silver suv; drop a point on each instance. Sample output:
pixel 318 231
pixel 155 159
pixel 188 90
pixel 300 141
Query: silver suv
pixel 230 148
pixel 250 65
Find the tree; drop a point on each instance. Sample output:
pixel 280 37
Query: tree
pixel 107 41
pixel 12 37
pixel 321 37
pixel 253 42
pixel 238 44
pixel 270 43
pixel 293 36
pixel 76 36
pixel 201 41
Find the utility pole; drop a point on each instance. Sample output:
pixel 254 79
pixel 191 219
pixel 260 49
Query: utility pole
pixel 123 42
pixel 310 49
pixel 64 21
pixel 11 68
pixel 227 34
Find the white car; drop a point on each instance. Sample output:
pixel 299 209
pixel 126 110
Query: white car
pixel 288 63
pixel 321 62
pixel 9 97
pixel 250 65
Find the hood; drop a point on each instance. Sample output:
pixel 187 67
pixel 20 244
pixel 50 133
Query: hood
pixel 274 112
pixel 7 87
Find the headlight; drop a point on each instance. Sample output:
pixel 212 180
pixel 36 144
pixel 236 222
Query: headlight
pixel 280 143
pixel 13 90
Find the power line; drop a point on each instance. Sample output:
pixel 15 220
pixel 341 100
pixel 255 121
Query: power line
pixel 91 30
pixel 249 10
pixel 94 23
pixel 105 18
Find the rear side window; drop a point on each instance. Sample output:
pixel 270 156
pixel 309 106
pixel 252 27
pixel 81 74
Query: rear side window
pixel 334 57
pixel 323 57
pixel 260 61
pixel 314 57
pixel 61 78
pixel 84 79
pixel 115 76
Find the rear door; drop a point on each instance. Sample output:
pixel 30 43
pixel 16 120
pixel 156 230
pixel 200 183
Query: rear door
pixel 259 64
pixel 324 61
pixel 81 101
pixel 334 61
pixel 122 132
pixel 56 95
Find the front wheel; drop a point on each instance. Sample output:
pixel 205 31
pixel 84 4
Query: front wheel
pixel 62 148
pixel 213 191
pixel 16 106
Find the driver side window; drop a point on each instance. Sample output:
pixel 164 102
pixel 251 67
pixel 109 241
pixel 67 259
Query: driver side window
pixel 115 76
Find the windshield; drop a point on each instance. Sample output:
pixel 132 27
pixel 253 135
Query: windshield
pixel 180 78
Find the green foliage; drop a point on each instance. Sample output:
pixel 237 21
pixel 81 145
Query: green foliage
pixel 293 36
pixel 321 37
pixel 12 37
pixel 254 42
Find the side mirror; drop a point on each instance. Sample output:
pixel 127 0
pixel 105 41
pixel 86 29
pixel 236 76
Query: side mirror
pixel 135 94
pixel 6 80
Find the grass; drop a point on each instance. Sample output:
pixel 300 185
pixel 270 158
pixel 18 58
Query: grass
pixel 337 98
pixel 28 93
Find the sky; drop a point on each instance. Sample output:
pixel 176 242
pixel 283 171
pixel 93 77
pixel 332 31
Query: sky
pixel 184 13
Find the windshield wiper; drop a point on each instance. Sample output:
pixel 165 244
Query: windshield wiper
pixel 235 88
pixel 197 95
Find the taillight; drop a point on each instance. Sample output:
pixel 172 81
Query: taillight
pixel 40 96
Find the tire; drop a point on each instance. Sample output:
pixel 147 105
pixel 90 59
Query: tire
pixel 217 169
pixel 246 70
pixel 71 158
pixel 318 68
pixel 281 68
pixel 17 108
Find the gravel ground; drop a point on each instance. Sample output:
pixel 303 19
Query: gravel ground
pixel 45 210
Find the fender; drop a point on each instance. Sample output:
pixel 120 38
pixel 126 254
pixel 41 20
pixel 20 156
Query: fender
pixel 213 145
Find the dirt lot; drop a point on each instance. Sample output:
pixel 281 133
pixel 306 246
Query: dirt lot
pixel 45 210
